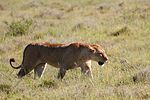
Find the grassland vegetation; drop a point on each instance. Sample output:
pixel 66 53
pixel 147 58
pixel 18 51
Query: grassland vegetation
pixel 122 27
pixel 19 27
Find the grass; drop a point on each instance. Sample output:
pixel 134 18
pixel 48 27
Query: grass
pixel 121 27
pixel 19 27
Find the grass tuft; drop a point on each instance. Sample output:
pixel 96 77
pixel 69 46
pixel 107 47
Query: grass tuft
pixel 142 76
pixel 20 27
pixel 5 88
pixel 48 84
pixel 122 31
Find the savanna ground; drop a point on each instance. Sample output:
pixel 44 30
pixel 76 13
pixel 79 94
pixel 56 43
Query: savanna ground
pixel 122 27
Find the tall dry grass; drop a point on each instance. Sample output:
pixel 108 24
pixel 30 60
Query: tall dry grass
pixel 121 27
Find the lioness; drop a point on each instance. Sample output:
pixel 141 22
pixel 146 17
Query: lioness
pixel 62 56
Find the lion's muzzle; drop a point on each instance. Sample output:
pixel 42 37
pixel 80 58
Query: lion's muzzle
pixel 102 62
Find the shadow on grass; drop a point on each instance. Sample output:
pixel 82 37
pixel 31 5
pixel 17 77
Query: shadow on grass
pixel 48 84
pixel 5 88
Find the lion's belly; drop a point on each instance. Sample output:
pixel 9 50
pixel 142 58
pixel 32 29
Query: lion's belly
pixel 56 65
pixel 51 57
pixel 67 66
pixel 71 66
pixel 60 58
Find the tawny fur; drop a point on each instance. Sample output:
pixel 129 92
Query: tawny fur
pixel 62 56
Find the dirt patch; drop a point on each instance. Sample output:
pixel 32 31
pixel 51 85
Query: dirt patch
pixel 1 7
pixel 50 13
pixel 87 23
pixel 103 6
pixel 32 4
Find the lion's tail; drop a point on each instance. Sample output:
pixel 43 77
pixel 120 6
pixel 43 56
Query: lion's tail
pixel 13 60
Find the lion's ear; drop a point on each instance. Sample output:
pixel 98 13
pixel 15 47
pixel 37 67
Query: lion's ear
pixel 92 49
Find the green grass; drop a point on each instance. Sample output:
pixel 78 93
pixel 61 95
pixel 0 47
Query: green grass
pixel 121 27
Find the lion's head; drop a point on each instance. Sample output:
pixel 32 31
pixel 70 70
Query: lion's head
pixel 98 54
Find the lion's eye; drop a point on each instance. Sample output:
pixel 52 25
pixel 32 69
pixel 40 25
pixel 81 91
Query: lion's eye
pixel 100 54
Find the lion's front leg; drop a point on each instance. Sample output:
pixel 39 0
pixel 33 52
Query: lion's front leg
pixel 39 70
pixel 61 73
pixel 86 69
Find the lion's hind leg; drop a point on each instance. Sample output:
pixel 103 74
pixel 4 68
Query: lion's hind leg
pixel 24 71
pixel 39 70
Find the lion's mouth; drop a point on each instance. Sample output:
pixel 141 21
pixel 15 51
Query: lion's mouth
pixel 101 63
